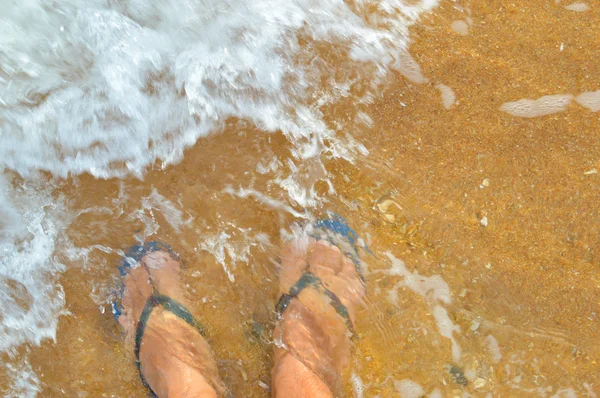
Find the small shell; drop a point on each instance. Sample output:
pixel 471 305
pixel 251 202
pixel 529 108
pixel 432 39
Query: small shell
pixel 479 382
pixel 389 218
pixel 384 205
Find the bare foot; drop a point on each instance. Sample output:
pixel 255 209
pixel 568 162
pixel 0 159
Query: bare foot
pixel 313 340
pixel 175 359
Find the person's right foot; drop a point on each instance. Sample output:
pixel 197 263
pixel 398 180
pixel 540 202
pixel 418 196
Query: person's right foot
pixel 312 340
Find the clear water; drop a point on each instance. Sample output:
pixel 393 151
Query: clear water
pixel 215 125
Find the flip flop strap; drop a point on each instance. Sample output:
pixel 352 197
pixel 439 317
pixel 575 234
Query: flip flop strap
pixel 170 305
pixel 338 226
pixel 311 280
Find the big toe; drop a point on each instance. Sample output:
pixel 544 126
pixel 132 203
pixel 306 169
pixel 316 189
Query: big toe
pixel 164 270
pixel 155 271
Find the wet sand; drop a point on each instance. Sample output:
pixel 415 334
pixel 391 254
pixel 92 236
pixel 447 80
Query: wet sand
pixel 530 278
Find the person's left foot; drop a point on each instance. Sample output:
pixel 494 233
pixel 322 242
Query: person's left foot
pixel 175 359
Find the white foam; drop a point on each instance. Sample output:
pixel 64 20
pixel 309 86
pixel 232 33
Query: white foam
pixel 24 381
pixel 357 385
pixel 30 297
pixel 578 7
pixel 264 199
pixel 146 217
pixel 217 245
pixel 437 292
pixel 173 215
pixel 460 27
pixel 447 328
pixel 447 94
pixel 590 392
pixel 542 106
pixel 409 389
pixel 392 296
pixel 492 348
pixel 108 88
pixel 436 393
pixel 565 393
pixel 410 69
pixel 270 167
pixel 231 245
pixel 590 100
pixel 433 287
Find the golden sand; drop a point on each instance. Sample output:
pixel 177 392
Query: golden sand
pixel 501 207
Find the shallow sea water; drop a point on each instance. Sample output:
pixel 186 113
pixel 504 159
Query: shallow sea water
pixel 484 278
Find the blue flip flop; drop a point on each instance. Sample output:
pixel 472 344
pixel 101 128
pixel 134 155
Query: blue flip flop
pixel 134 255
pixel 337 232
